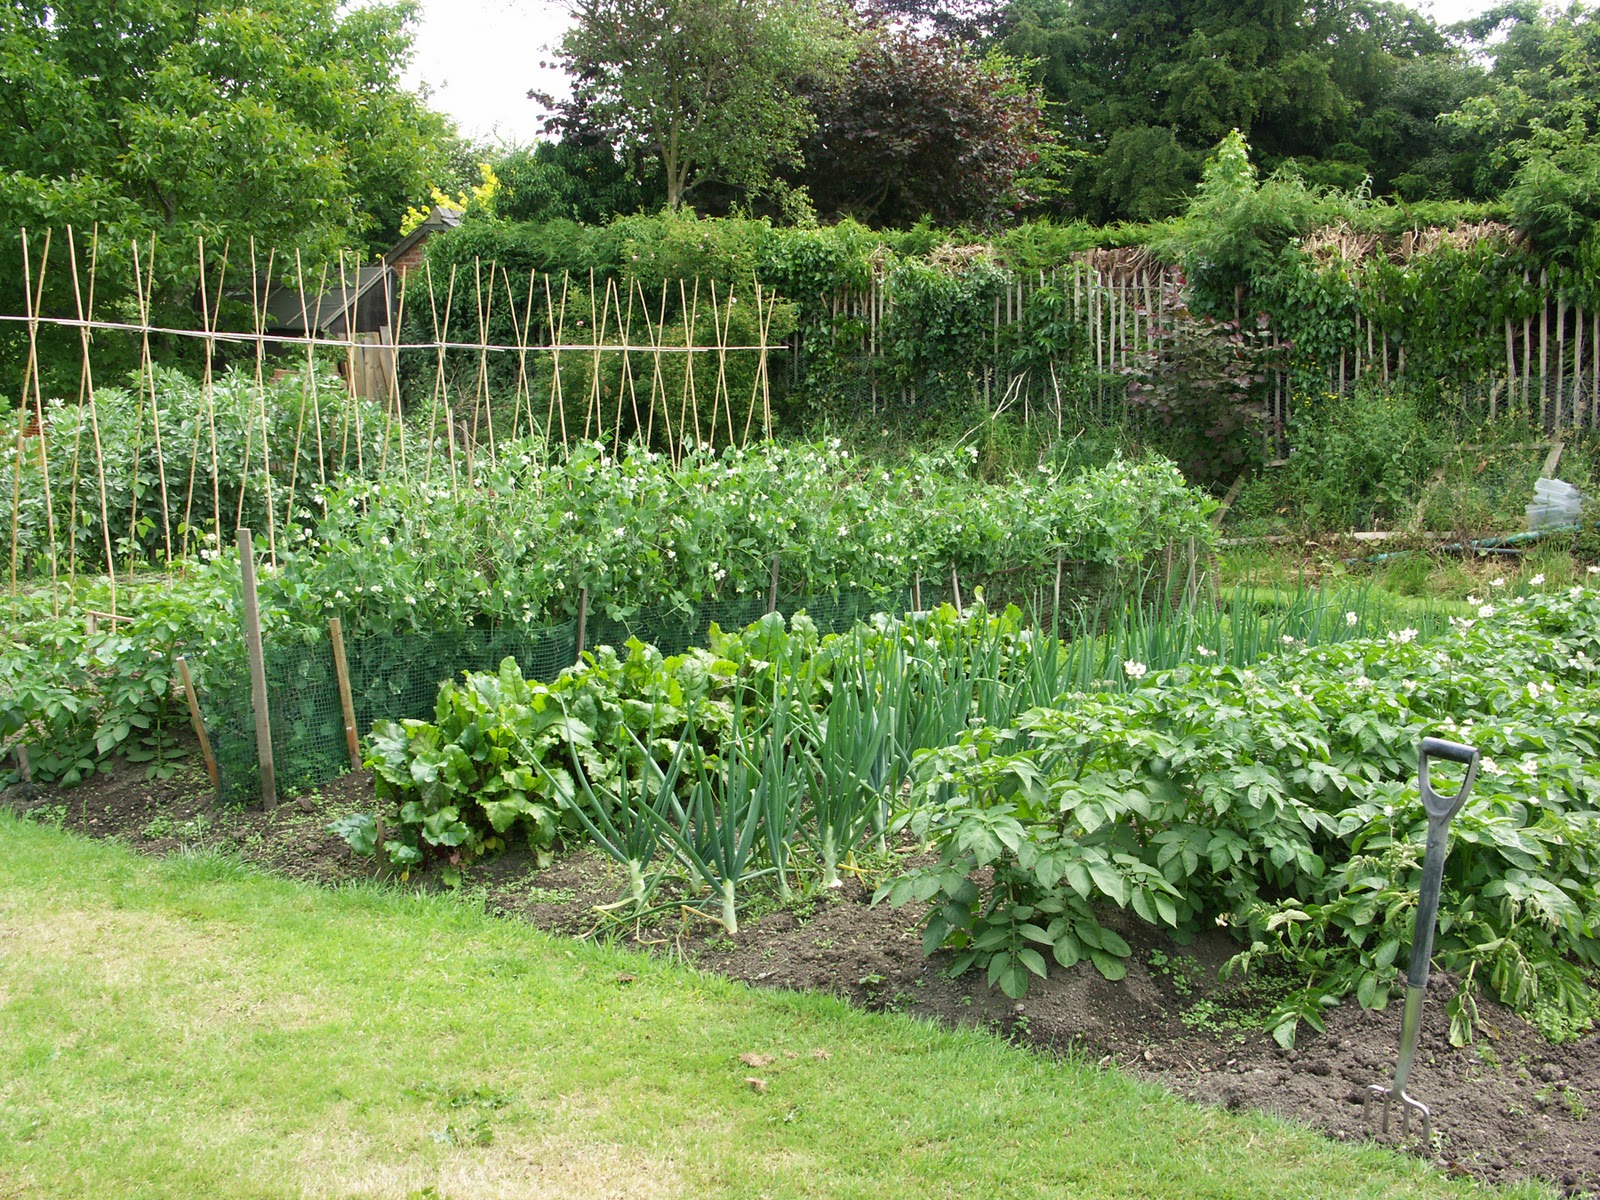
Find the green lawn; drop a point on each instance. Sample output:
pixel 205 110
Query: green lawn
pixel 190 1028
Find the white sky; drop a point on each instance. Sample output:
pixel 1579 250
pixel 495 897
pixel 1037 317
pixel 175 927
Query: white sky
pixel 480 57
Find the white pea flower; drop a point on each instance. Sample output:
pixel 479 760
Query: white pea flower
pixel 1486 611
pixel 1363 683
pixel 1403 637
pixel 1490 767
pixel 1594 570
pixel 1536 580
pixel 1289 640
pixel 1134 669
pixel 1575 593
pixel 1205 653
pixel 1497 583
pixel 1351 619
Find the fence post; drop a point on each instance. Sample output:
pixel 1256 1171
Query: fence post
pixel 199 724
pixel 24 767
pixel 916 592
pixel 258 668
pixel 1055 604
pixel 772 592
pixel 583 623
pixel 955 587
pixel 347 705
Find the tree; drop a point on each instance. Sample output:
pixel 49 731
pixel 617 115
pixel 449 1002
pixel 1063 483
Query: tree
pixel 712 88
pixel 1298 78
pixel 1538 121
pixel 920 127
pixel 566 179
pixel 282 120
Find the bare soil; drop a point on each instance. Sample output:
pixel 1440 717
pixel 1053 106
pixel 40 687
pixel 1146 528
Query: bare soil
pixel 1511 1106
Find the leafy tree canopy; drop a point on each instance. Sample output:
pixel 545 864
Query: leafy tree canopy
pixel 1317 83
pixel 710 88
pixel 282 120
pixel 921 127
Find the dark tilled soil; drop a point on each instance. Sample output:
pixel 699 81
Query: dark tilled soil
pixel 1509 1107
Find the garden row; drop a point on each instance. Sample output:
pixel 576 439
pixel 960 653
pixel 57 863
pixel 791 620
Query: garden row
pixel 1139 766
pixel 520 545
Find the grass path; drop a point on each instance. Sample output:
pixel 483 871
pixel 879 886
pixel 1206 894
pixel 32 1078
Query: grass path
pixel 188 1028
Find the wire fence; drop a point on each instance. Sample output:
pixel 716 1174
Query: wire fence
pixel 397 676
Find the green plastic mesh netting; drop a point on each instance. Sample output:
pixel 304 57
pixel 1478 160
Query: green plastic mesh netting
pixel 397 676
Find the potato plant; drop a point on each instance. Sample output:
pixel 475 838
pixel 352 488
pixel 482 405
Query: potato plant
pixel 1280 801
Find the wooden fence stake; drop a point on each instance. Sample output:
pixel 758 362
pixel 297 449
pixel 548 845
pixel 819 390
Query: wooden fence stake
pixel 1055 603
pixel 916 592
pixel 583 622
pixel 258 668
pixel 772 592
pixel 199 724
pixel 955 587
pixel 347 705
pixel 24 767
pixel 1548 471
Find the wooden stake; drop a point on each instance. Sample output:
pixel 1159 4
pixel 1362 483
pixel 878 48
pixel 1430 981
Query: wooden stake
pixel 258 668
pixel 1055 603
pixel 583 622
pixel 955 587
pixel 24 767
pixel 199 724
pixel 772 591
pixel 347 705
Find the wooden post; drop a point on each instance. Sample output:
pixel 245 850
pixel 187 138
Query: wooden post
pixel 347 705
pixel 772 591
pixel 916 592
pixel 955 587
pixel 258 668
pixel 583 622
pixel 199 724
pixel 1055 604
pixel 1548 471
pixel 24 767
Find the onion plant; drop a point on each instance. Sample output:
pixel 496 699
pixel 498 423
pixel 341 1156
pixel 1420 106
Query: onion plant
pixel 848 763
pixel 625 822
pixel 715 834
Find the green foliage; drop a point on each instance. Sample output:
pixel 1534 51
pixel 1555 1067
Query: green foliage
pixel 1357 462
pixel 1139 91
pixel 638 532
pixel 709 87
pixel 147 123
pixel 568 181
pixel 467 782
pixel 182 461
pixel 1280 800
pixel 78 699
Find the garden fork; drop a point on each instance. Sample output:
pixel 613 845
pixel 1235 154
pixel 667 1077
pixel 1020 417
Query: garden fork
pixel 1439 809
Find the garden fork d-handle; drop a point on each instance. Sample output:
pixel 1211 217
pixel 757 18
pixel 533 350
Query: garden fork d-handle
pixel 1436 805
